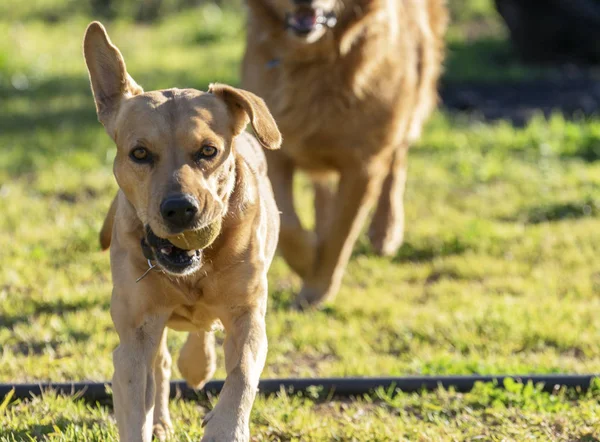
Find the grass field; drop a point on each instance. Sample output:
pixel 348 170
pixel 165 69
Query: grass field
pixel 499 272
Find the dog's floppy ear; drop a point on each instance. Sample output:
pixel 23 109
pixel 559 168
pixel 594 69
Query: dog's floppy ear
pixel 244 105
pixel 108 74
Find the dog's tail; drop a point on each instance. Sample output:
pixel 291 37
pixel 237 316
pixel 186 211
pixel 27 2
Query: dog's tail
pixel 439 18
pixel 433 24
pixel 107 226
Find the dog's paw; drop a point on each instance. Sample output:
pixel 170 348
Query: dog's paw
pixel 162 431
pixel 218 429
pixel 386 248
pixel 225 436
pixel 387 235
pixel 310 298
pixel 207 418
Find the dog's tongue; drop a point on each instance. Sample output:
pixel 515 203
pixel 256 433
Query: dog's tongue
pixel 304 20
pixel 166 249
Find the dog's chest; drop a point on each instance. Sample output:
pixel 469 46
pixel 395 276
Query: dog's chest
pixel 325 108
pixel 193 302
pixel 192 318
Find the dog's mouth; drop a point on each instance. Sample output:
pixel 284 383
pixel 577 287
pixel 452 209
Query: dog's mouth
pixel 306 19
pixel 170 257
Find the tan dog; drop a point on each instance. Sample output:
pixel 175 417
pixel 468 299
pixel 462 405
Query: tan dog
pixel 184 162
pixel 350 84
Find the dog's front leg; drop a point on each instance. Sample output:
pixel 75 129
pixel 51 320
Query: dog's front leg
pixel 245 353
pixel 324 202
pixel 133 380
pixel 296 244
pixel 162 426
pixel 357 191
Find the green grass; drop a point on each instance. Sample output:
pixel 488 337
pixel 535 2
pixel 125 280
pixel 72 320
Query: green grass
pixel 522 413
pixel 498 274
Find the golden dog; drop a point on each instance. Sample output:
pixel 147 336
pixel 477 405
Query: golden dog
pixel 350 84
pixel 183 162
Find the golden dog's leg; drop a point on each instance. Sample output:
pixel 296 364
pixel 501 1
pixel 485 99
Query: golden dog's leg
pixel 245 353
pixel 162 427
pixel 296 244
pixel 357 191
pixel 133 380
pixel 387 227
pixel 324 201
pixel 197 360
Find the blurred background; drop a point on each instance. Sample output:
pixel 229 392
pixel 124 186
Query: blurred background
pixel 498 273
pixel 499 71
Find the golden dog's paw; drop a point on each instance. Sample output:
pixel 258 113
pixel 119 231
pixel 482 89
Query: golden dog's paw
pixel 162 431
pixel 218 429
pixel 310 298
pixel 386 245
pixel 386 233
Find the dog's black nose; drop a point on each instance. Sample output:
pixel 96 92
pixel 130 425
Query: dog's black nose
pixel 303 2
pixel 179 210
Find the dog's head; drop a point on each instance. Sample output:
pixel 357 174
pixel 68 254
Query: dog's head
pixel 174 160
pixel 306 20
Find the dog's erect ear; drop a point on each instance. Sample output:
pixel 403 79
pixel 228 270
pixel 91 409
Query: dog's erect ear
pixel 108 74
pixel 244 105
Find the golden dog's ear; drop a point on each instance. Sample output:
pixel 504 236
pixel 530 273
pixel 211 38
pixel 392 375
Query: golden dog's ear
pixel 108 74
pixel 244 105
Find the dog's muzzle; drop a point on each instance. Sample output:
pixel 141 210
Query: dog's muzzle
pixel 306 19
pixel 169 257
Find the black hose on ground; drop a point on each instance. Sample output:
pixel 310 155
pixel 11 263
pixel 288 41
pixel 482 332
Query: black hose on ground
pixel 341 387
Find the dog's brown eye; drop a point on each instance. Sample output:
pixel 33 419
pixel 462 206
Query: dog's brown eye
pixel 140 155
pixel 206 152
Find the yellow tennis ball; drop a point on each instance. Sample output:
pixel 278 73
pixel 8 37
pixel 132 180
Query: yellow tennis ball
pixel 197 239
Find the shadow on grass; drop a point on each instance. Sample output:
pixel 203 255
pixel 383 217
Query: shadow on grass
pixel 76 118
pixel 419 252
pixel 37 348
pixel 42 431
pixel 558 212
pixel 39 114
pixel 59 307
pixel 425 252
pixel 53 116
pixel 485 78
pixel 588 150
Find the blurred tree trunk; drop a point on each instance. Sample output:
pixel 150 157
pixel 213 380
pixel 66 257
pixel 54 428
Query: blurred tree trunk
pixel 103 8
pixel 554 30
pixel 148 11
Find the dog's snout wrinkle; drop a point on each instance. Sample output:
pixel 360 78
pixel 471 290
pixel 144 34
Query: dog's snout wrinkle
pixel 179 211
